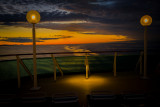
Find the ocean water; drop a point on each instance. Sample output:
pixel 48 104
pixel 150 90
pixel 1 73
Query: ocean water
pixel 26 49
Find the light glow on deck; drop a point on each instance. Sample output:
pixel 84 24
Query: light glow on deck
pixel 81 82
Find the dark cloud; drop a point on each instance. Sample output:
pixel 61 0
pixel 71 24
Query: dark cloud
pixel 42 39
pixel 62 36
pixel 15 39
pixel 112 16
pixel 92 33
pixel 53 38
pixel 103 11
pixel 7 18
pixel 28 39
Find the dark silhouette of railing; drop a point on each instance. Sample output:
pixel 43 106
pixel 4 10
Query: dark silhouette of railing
pixel 67 53
pixel 20 61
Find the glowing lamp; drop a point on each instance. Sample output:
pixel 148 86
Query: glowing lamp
pixel 146 20
pixel 33 17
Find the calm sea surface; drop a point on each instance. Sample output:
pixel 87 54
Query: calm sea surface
pixel 23 49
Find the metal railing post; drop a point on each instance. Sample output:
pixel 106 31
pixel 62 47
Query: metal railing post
pixel 141 68
pixel 18 73
pixel 24 66
pixel 87 66
pixel 54 67
pixel 114 65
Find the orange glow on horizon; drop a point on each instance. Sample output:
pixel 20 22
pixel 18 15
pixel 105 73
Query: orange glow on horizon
pixel 53 37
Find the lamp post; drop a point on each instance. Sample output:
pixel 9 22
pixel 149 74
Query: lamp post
pixel 34 17
pixel 145 21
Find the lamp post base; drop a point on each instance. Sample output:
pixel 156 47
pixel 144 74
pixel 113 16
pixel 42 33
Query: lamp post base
pixel 35 89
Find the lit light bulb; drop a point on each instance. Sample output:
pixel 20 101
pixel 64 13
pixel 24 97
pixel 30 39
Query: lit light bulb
pixel 145 20
pixel 33 17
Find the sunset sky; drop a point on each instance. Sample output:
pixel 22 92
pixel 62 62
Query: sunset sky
pixel 77 21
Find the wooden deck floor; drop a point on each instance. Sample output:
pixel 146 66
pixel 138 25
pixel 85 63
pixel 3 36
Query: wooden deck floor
pixel 78 84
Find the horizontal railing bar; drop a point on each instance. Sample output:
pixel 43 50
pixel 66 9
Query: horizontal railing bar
pixel 66 53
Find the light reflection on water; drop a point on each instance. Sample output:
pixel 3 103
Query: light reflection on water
pixel 25 49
